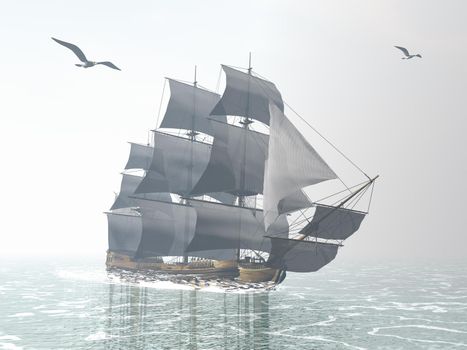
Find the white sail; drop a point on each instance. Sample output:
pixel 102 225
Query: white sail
pixel 333 223
pixel 127 192
pixel 140 156
pixel 236 164
pixel 176 166
pixel 291 165
pixel 222 227
pixel 124 232
pixel 189 108
pixel 293 202
pixel 300 256
pixel 248 96
pixel 167 228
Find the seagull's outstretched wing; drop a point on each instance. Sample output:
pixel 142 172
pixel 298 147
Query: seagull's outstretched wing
pixel 109 64
pixel 403 49
pixel 73 48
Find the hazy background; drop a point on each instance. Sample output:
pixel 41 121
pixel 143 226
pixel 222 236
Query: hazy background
pixel 63 130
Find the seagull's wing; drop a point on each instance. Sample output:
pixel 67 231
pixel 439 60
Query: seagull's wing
pixel 109 64
pixel 73 48
pixel 403 49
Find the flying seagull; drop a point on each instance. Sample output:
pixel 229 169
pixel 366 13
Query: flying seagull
pixel 408 56
pixel 82 57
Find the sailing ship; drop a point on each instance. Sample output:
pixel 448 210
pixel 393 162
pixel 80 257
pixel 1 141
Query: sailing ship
pixel 214 196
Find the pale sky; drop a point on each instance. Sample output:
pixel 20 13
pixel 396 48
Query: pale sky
pixel 64 130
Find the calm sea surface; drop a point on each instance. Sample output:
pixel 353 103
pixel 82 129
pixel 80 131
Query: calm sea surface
pixel 75 305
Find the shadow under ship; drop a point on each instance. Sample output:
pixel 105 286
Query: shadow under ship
pixel 211 197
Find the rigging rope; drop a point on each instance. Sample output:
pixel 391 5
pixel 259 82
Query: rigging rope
pixel 321 135
pixel 266 92
pixel 335 194
pixel 371 196
pixel 329 142
pixel 357 198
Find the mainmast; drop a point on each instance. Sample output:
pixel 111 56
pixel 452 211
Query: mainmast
pixel 246 121
pixel 192 134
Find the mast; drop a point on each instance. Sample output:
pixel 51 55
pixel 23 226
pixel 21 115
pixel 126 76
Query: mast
pixel 192 134
pixel 246 121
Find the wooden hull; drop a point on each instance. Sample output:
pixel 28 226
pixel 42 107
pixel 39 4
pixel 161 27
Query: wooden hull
pixel 204 268
pixel 256 273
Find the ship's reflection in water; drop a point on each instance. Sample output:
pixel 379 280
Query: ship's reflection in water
pixel 148 318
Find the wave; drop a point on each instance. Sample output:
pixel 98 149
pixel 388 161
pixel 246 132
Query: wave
pixel 21 314
pixel 376 330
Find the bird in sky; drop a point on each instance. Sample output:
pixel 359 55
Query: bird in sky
pixel 408 56
pixel 82 57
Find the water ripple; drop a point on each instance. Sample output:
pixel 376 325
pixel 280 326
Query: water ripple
pixel 394 306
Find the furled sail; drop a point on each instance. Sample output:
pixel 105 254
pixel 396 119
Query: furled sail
pixel 167 228
pixel 189 108
pixel 300 256
pixel 228 227
pixel 125 232
pixel 291 165
pixel 236 164
pixel 333 223
pixel 248 96
pixel 127 190
pixel 140 157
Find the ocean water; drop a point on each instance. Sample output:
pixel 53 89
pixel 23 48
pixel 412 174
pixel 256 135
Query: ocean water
pixel 68 304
